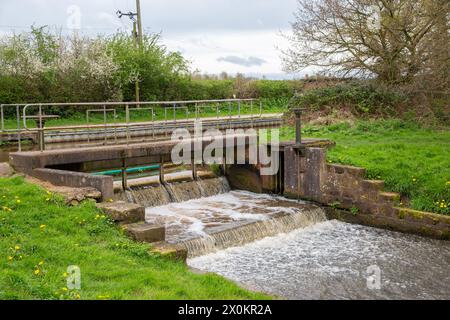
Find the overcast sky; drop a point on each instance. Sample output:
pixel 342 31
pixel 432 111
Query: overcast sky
pixel 216 35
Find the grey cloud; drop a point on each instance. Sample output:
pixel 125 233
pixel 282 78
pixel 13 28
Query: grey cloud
pixel 173 16
pixel 246 62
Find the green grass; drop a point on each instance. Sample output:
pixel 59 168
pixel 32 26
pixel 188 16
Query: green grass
pixel 413 161
pixel 40 237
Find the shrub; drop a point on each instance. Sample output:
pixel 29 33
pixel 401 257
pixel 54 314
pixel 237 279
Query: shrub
pixel 362 98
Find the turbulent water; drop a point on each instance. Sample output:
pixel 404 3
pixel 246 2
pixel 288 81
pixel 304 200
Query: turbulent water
pixel 330 260
pixel 159 195
pixel 287 248
pixel 231 219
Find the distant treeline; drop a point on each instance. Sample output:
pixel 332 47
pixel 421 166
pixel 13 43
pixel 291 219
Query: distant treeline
pixel 44 66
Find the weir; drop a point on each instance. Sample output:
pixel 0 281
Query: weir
pixel 252 231
pixel 163 194
pixel 205 213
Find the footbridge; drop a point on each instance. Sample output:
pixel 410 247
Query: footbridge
pixel 65 125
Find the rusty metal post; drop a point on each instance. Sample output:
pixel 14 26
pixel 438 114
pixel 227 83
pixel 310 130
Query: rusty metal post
pixel 194 169
pixel 124 175
pixel 161 171
pixel 298 125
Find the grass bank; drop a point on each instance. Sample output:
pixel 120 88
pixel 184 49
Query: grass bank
pixel 40 237
pixel 413 161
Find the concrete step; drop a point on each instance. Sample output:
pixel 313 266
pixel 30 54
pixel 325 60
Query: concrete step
pixel 170 251
pixel 145 232
pixel 123 212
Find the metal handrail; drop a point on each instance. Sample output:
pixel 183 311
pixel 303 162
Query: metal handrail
pixel 109 107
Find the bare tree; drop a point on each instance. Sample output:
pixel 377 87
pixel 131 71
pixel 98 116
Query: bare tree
pixel 393 40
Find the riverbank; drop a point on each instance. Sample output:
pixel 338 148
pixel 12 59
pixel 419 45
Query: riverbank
pixel 41 237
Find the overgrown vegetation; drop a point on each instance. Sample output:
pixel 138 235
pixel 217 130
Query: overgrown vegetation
pixel 40 238
pixel 360 98
pixel 411 159
pixel 43 66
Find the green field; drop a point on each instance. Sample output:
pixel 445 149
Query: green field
pixel 413 161
pixel 40 237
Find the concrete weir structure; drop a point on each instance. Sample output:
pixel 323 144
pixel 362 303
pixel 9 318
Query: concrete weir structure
pixel 343 190
pixel 69 167
pixel 303 173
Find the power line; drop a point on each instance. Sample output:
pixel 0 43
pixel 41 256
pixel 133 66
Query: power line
pixel 63 28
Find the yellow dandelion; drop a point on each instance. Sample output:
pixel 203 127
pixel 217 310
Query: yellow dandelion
pixel 17 248
pixel 65 289
pixel 10 258
pixel 77 296
pixel 37 271
pixel 41 263
pixel 42 226
pixel 65 275
pixel 18 201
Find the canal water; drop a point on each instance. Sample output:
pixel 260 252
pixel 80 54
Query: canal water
pixel 289 249
pixel 336 260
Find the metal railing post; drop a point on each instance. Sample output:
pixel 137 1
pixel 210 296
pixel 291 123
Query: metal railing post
pixel 175 113
pixel 252 117
pixel 3 117
pixel 19 131
pixel 239 109
pixel 105 123
pixel 41 131
pixel 127 116
pixel 115 128
pixel 88 126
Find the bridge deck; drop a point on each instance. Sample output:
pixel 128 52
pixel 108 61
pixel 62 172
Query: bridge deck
pixel 106 157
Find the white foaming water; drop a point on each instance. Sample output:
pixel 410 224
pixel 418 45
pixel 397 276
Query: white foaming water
pixel 329 260
pixel 207 224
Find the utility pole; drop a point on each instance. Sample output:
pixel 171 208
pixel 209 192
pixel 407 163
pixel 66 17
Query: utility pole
pixel 137 35
pixel 139 22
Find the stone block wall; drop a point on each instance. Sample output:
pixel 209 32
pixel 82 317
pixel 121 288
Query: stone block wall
pixel 308 176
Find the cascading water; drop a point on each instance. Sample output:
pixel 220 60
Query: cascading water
pixel 252 231
pixel 159 195
pixel 231 219
pixel 205 216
